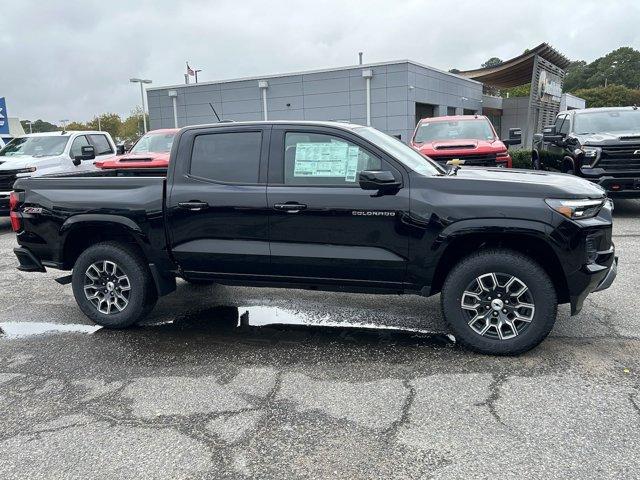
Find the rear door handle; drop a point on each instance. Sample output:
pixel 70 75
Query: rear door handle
pixel 290 207
pixel 193 206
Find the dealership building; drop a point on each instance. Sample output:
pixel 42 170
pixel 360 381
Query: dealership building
pixel 391 96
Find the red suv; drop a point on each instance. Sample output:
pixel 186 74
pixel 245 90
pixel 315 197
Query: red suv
pixel 151 151
pixel 468 138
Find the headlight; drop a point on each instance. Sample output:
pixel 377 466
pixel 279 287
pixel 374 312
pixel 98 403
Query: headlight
pixel 26 170
pixel 591 154
pixel 576 209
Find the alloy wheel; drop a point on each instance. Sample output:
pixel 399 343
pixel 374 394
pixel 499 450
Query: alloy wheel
pixel 107 287
pixel 498 305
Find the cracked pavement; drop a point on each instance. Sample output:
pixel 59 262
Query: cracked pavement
pixel 306 387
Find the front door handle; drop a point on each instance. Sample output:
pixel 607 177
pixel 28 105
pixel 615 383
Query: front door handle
pixel 290 207
pixel 194 206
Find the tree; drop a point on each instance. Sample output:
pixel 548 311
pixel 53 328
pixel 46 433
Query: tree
pixel 619 67
pixel 132 128
pixel 77 126
pixel 109 122
pixel 492 62
pixel 610 96
pixel 39 126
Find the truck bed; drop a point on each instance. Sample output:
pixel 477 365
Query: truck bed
pixel 59 210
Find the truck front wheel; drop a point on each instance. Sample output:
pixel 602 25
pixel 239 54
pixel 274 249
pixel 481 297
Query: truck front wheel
pixel 113 285
pixel 499 302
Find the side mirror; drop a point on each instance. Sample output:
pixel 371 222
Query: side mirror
pixel 87 153
pixel 549 134
pixel 377 180
pixel 120 150
pixel 515 137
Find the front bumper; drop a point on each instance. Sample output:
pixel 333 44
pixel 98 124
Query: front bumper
pixel 593 277
pixel 615 185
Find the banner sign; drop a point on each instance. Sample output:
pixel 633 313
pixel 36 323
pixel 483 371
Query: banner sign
pixel 4 118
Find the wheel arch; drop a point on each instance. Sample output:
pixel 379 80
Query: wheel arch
pixel 531 243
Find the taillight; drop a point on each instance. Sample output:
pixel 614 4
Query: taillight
pixel 13 214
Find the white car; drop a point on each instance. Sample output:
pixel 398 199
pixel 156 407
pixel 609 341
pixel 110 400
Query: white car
pixel 51 152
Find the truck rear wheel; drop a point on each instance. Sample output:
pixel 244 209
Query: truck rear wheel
pixel 499 302
pixel 113 285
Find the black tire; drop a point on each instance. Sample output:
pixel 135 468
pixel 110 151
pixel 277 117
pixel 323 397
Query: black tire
pixel 568 166
pixel 506 264
pixel 142 294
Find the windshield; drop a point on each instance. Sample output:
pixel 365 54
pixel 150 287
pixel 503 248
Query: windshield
pixel 401 152
pixel 154 143
pixel 476 129
pixel 607 121
pixel 35 146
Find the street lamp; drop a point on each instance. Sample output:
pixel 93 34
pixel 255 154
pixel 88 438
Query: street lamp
pixel 64 123
pixel 30 126
pixel 144 115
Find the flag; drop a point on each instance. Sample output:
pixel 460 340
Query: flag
pixel 190 70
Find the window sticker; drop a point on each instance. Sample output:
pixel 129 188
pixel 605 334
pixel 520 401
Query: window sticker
pixel 326 159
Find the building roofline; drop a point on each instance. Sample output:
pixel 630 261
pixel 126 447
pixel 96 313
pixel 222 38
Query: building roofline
pixel 308 72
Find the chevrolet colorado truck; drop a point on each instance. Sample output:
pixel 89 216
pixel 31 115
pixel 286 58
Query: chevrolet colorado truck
pixel 599 144
pixel 469 139
pixel 327 206
pixel 51 152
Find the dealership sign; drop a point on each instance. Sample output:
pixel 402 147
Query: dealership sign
pixel 548 87
pixel 4 118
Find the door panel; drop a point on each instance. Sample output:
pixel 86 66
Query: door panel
pixel 336 232
pixel 220 227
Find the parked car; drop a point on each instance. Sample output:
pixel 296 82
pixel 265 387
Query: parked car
pixel 150 151
pixel 52 152
pixel 329 206
pixel 471 139
pixel 598 144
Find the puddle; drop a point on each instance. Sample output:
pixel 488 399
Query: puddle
pixel 269 321
pixel 12 330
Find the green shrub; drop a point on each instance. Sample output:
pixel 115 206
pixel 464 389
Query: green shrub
pixel 521 158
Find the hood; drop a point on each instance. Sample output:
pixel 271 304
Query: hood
pixel 608 138
pixel 141 157
pixel 524 183
pixel 459 147
pixel 20 161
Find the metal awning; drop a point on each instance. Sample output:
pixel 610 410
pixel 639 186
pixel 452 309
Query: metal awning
pixel 518 70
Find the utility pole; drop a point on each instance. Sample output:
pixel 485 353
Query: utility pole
pixel 144 113
pixel 196 72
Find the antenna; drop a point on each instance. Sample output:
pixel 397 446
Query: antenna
pixel 214 111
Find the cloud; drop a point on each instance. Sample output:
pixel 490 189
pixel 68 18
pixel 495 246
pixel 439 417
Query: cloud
pixel 66 59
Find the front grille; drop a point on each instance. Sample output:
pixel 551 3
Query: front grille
pixel 620 157
pixel 7 179
pixel 481 160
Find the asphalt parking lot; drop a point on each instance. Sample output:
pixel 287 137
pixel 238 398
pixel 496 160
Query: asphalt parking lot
pixel 229 382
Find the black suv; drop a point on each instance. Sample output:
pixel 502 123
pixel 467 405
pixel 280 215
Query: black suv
pixel 329 206
pixel 599 144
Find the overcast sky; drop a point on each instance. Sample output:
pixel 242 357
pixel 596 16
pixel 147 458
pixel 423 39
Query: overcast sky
pixel 73 60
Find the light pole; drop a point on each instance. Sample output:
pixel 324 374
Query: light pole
pixel 144 114
pixel 30 126
pixel 64 123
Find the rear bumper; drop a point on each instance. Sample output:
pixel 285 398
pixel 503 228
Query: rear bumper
pixel 28 261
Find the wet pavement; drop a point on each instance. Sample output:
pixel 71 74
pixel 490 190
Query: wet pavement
pixel 230 382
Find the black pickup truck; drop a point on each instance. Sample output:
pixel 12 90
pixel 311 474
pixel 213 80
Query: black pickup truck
pixel 329 206
pixel 598 144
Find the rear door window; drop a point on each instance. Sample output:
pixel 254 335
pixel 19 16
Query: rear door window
pixel 231 157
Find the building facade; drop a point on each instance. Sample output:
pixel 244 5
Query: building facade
pixel 389 96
